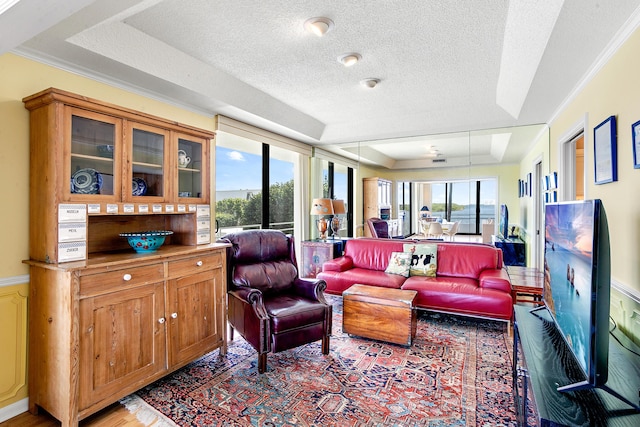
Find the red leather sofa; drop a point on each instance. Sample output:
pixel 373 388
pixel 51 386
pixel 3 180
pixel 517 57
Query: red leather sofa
pixel 470 279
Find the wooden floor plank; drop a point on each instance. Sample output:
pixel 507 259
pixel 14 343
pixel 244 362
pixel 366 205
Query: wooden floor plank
pixel 115 415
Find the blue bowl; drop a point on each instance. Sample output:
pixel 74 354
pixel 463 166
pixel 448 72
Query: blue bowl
pixel 146 241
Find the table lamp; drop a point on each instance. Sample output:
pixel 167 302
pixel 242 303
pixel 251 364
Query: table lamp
pixel 424 211
pixel 322 207
pixel 336 221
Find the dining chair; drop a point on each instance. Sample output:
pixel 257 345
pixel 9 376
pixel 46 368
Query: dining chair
pixel 453 229
pixel 435 230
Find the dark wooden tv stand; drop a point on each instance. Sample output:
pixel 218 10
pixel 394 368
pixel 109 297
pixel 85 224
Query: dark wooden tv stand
pixel 542 363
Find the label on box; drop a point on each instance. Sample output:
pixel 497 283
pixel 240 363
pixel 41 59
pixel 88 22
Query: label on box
pixel 72 213
pixel 93 208
pixel 72 231
pixel 143 208
pixel 203 238
pixel 203 224
pixel 72 251
pixel 156 208
pixel 128 208
pixel 182 208
pixel 193 208
pixel 169 208
pixel 203 210
pixel 112 208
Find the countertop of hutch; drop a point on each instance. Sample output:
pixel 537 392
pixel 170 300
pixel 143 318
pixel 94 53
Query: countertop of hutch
pixel 126 258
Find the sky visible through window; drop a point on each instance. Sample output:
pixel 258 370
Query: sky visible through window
pixel 236 170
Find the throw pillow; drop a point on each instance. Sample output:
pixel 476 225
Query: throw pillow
pixel 399 263
pixel 424 259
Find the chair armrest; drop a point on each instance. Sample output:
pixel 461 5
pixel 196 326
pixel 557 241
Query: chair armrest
pixel 312 289
pixel 252 297
pixel 247 315
pixel 495 279
pixel 342 263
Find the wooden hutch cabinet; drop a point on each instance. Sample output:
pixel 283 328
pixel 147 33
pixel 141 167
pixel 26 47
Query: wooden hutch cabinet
pixel 105 320
pixel 378 204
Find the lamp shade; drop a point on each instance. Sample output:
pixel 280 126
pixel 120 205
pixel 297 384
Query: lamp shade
pixel 425 208
pixel 321 207
pixel 338 207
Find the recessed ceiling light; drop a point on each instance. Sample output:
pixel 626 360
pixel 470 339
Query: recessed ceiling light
pixel 319 25
pixel 349 59
pixel 370 83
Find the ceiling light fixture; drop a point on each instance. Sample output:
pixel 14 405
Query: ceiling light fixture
pixel 370 83
pixel 349 59
pixel 319 25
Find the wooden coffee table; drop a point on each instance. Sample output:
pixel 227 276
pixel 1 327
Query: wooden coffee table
pixel 378 313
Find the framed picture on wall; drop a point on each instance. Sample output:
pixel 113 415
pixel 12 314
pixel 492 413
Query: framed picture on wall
pixel 519 188
pixel 605 151
pixel 529 184
pixel 635 134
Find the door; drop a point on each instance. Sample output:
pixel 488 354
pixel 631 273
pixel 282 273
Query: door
pixel 147 177
pixel 122 342
pixel 193 153
pixel 195 314
pixel 92 168
pixel 538 212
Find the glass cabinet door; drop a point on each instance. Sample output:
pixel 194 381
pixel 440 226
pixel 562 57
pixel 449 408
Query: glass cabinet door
pixel 93 155
pixel 191 174
pixel 148 163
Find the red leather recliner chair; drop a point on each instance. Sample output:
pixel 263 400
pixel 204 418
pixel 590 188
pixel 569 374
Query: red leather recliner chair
pixel 268 304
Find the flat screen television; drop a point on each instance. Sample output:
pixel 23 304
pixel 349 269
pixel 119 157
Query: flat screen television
pixel 577 285
pixel 503 223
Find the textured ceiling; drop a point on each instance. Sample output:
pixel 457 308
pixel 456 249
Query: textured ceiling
pixel 439 62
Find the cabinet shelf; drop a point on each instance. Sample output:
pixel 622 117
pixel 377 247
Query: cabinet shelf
pixel 93 158
pixel 148 165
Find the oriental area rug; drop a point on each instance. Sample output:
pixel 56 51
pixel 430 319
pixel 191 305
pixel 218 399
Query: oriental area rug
pixel 457 372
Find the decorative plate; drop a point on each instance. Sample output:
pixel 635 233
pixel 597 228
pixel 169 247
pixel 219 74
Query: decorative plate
pixel 86 181
pixel 139 186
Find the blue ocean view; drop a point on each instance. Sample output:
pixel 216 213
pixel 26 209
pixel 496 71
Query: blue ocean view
pixel 467 216
pixel 571 301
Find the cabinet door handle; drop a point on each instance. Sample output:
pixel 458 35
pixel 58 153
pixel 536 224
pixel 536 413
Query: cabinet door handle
pixel 174 315
pixel 126 277
pixel 199 263
pixel 161 320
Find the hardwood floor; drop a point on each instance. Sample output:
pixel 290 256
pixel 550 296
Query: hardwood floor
pixel 115 415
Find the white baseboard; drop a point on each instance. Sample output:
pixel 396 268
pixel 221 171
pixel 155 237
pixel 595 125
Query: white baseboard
pixel 14 409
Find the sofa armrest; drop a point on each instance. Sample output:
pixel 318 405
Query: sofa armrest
pixel 495 279
pixel 342 263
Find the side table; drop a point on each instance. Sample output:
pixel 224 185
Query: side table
pixel 527 284
pixel 317 252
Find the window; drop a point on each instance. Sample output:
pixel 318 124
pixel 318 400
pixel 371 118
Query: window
pixel 332 178
pixel 470 202
pixel 238 184
pixel 281 189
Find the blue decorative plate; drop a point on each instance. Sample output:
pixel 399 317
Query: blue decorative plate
pixel 138 187
pixel 86 181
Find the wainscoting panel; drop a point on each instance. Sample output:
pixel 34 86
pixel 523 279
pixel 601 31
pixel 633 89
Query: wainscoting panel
pixel 13 336
pixel 625 310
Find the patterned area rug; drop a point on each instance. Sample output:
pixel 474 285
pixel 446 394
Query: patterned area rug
pixel 456 373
